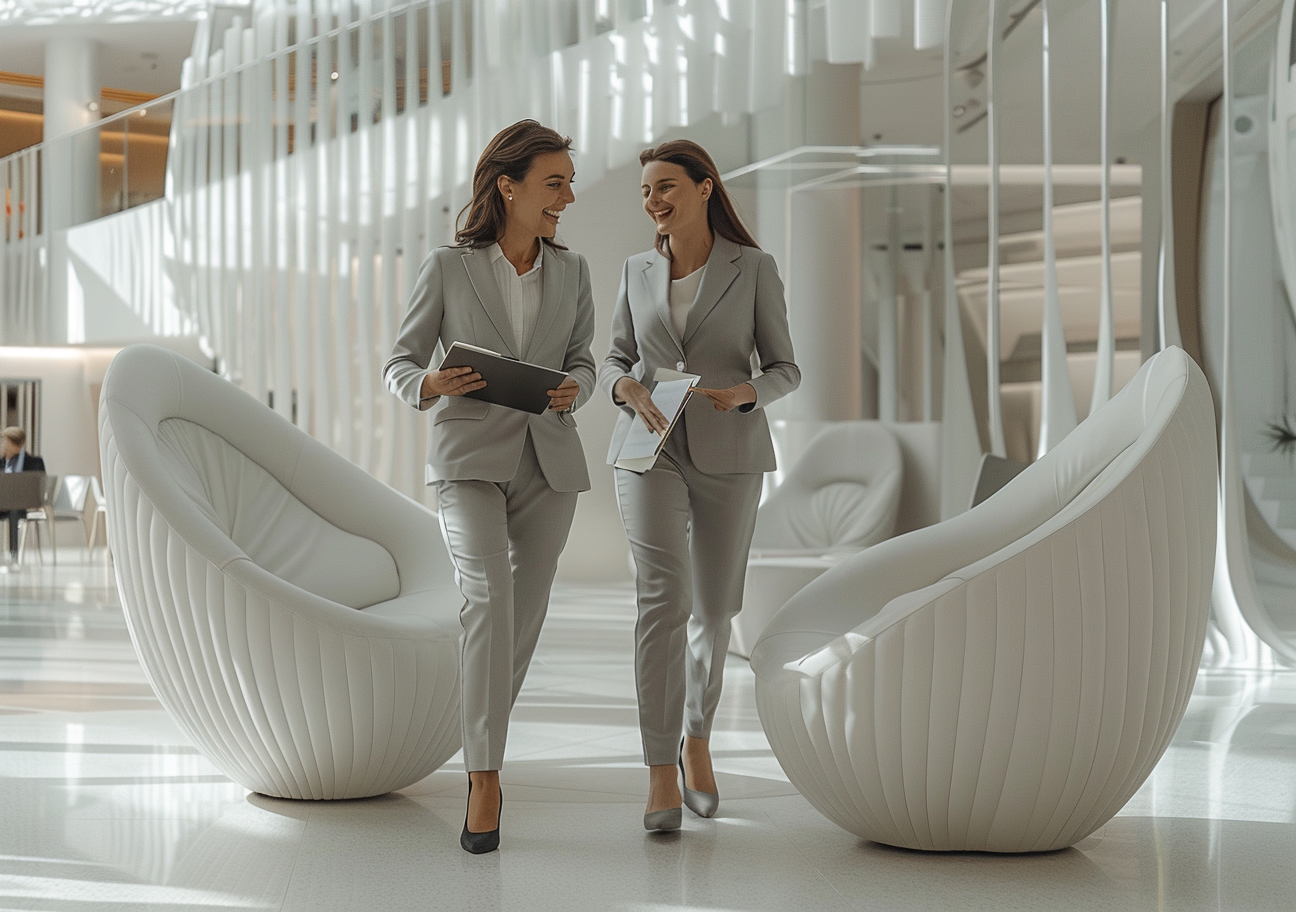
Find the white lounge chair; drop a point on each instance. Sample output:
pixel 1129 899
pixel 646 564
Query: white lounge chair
pixel 1006 680
pixel 297 618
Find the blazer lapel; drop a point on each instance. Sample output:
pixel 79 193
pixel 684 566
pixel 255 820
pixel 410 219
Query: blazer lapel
pixel 552 275
pixel 719 275
pixel 656 276
pixel 488 292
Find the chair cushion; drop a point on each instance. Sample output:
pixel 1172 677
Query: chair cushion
pixel 842 493
pixel 270 525
pixel 837 515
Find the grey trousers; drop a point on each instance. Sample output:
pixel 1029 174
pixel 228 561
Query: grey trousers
pixel 504 539
pixel 690 534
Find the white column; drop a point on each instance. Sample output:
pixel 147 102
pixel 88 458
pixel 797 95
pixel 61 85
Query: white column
pixel 70 172
pixel 824 304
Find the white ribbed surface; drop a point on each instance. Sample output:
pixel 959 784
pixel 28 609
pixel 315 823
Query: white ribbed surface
pixel 288 693
pixel 843 492
pixel 1006 680
pixel 841 495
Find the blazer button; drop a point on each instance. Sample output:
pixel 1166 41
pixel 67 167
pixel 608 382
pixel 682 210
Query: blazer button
pixel 679 365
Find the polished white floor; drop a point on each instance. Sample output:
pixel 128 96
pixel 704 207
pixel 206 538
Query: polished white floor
pixel 105 805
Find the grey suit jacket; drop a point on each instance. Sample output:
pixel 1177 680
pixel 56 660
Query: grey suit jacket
pixel 739 311
pixel 456 299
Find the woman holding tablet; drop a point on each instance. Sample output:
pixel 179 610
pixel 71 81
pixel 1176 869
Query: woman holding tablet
pixel 706 301
pixel 506 479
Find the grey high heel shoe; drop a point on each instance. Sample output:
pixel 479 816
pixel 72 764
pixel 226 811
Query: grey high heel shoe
pixel 663 821
pixel 704 804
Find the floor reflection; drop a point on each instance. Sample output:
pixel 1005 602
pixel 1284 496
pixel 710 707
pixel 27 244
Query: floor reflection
pixel 108 806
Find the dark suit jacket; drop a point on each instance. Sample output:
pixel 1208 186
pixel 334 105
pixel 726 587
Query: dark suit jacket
pixel 30 464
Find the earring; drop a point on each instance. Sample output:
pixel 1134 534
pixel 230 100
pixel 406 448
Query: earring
pixel 510 197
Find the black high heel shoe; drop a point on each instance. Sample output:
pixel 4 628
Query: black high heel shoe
pixel 480 843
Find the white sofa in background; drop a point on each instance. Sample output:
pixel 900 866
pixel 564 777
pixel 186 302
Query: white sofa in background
pixel 1006 680
pixel 297 618
pixel 841 496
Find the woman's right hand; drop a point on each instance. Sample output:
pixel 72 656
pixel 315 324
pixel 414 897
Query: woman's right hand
pixel 453 381
pixel 634 394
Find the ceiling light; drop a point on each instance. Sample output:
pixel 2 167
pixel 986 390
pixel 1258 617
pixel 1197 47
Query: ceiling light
pixel 92 106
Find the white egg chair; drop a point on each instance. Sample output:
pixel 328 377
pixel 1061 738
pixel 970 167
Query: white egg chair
pixel 840 496
pixel 297 618
pixel 1006 680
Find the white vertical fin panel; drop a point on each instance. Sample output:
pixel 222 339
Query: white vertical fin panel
pixel 324 226
pixel 1234 593
pixel 306 210
pixel 849 27
pixel 1106 341
pixel 392 203
pixel 1167 303
pixel 960 442
pixel 886 18
pixel 1282 144
pixel 929 23
pixel 889 315
pixel 1057 412
pixel 225 341
pixel 928 271
pixel 769 35
pixel 348 215
pixel 994 41
pixel 283 212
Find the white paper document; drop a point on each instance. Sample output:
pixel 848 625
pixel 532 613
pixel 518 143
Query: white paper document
pixel 641 447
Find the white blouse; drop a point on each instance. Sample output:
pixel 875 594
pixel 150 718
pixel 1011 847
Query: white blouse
pixel 521 293
pixel 683 292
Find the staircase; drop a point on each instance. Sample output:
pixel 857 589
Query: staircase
pixel 1077 241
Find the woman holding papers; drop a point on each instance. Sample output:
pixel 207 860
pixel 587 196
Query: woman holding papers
pixel 506 479
pixel 705 301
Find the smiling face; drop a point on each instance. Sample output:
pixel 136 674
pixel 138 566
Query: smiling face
pixel 674 203
pixel 539 198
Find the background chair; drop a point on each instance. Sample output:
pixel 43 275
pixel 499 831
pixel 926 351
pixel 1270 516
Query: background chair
pixel 1006 680
pixel 297 618
pixel 839 497
pixel 64 498
pixel 42 515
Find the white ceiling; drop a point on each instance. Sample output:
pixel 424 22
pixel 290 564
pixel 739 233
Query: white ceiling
pixel 135 56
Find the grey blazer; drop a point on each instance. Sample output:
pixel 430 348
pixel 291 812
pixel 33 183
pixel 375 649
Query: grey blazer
pixel 739 311
pixel 456 299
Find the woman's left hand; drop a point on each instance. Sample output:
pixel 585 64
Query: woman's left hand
pixel 561 399
pixel 727 400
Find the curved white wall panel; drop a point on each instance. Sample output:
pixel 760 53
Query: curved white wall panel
pixel 343 162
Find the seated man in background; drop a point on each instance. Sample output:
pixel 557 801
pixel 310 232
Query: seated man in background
pixel 17 459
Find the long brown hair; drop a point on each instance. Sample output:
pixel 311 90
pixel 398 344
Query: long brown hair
pixel 510 154
pixel 722 218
